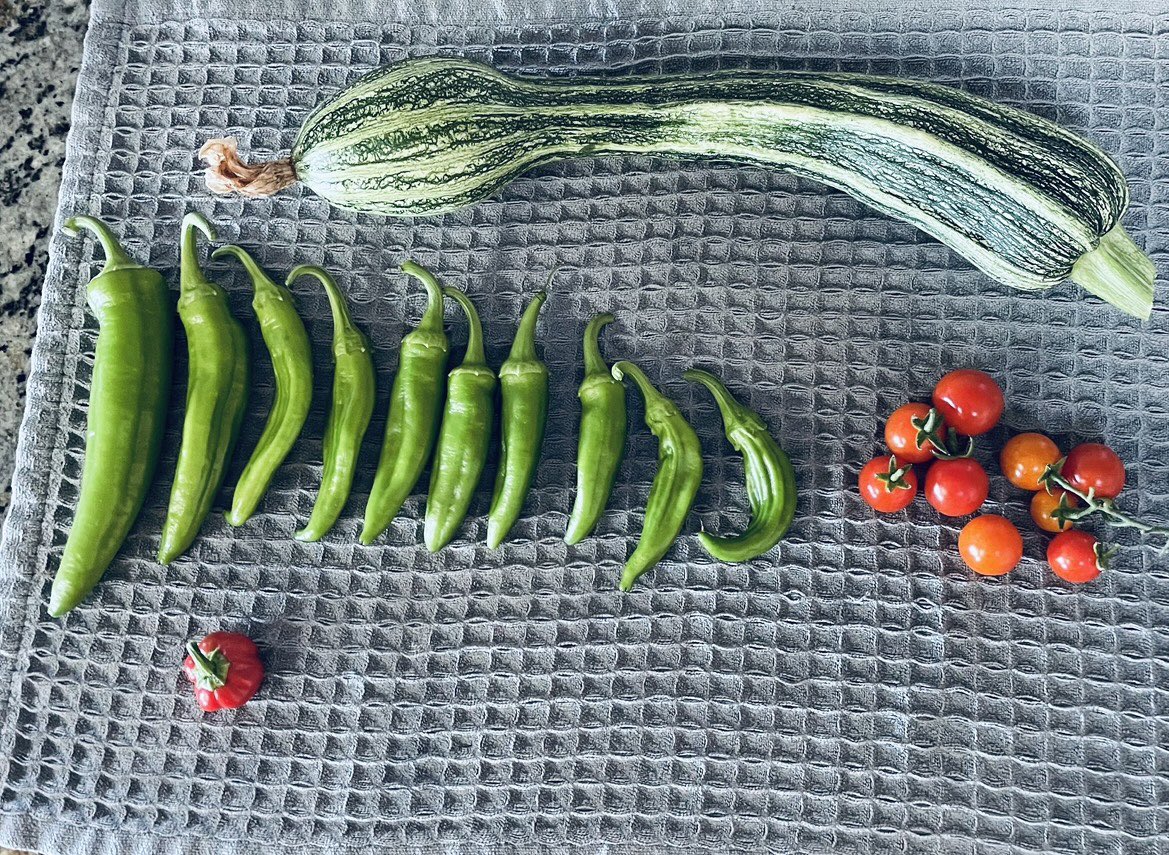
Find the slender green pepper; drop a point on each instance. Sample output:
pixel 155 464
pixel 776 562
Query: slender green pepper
pixel 523 384
pixel 217 391
pixel 349 414
pixel 602 436
pixel 292 363
pixel 771 481
pixel 415 410
pixel 128 396
pixel 676 482
pixel 464 436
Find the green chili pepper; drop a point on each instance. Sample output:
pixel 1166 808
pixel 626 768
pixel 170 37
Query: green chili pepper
pixel 464 436
pixel 349 413
pixel 676 482
pixel 523 382
pixel 771 482
pixel 217 391
pixel 415 410
pixel 602 436
pixel 292 363
pixel 128 396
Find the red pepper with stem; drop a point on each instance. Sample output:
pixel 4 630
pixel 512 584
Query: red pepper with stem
pixel 226 670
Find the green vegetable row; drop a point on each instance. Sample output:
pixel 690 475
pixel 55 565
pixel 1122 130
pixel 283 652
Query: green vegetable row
pixel 450 421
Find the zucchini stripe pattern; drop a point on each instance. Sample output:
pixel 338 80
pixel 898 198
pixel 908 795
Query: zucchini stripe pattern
pixel 1025 201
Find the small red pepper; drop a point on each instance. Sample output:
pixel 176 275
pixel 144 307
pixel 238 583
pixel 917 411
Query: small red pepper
pixel 226 670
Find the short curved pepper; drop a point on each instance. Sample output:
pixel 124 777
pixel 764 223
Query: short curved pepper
pixel 771 482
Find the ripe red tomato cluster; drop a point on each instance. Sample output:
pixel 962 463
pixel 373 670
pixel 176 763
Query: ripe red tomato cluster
pixel 1029 460
pixel 969 403
pixel 965 403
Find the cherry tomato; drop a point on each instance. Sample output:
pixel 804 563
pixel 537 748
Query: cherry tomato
pixel 956 487
pixel 1043 504
pixel 1093 466
pixel 901 434
pixel 990 545
pixel 1026 457
pixel 969 401
pixel 886 485
pixel 1075 556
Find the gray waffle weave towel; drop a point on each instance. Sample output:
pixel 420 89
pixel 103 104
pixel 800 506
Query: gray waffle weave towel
pixel 853 692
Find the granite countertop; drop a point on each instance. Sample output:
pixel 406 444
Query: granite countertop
pixel 40 52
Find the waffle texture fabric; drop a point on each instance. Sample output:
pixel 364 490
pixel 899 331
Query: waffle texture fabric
pixel 855 691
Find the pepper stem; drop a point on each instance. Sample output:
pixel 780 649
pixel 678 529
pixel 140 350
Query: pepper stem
pixel 594 362
pixel 342 322
pixel 1118 271
pixel 432 317
pixel 648 391
pixel 189 270
pixel 523 348
pixel 116 257
pixel 260 278
pixel 210 671
pixel 732 411
pixel 475 354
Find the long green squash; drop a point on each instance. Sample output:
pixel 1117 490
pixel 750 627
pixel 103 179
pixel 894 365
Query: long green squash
pixel 1025 201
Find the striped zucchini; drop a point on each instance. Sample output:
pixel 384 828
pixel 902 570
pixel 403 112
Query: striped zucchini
pixel 1025 201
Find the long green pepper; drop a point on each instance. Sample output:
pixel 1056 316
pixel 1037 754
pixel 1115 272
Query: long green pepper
pixel 676 482
pixel 464 437
pixel 414 414
pixel 217 391
pixel 523 382
pixel 771 481
pixel 292 364
pixel 349 414
pixel 603 426
pixel 128 396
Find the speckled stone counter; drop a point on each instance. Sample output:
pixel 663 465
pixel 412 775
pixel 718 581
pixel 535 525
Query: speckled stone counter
pixel 40 49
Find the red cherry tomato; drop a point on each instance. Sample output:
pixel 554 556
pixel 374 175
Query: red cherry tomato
pixel 886 485
pixel 1075 556
pixel 969 401
pixel 1026 457
pixel 1094 466
pixel 990 545
pixel 901 434
pixel 1044 505
pixel 956 487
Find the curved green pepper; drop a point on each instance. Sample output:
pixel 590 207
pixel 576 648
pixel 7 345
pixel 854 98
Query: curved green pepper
pixel 217 391
pixel 771 481
pixel 128 396
pixel 292 364
pixel 676 482
pixel 415 410
pixel 464 436
pixel 349 414
pixel 523 382
pixel 603 426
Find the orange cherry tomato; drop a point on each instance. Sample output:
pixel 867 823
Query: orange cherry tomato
pixel 1075 556
pixel 990 545
pixel 1026 457
pixel 1044 504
